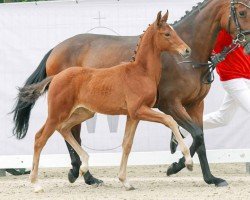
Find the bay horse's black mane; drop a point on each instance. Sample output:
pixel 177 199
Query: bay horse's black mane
pixel 198 7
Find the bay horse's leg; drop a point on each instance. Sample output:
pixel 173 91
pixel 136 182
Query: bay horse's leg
pixel 127 145
pixel 193 127
pixel 196 113
pixel 40 140
pixel 148 114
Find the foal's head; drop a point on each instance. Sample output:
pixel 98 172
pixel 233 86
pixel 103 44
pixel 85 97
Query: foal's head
pixel 166 39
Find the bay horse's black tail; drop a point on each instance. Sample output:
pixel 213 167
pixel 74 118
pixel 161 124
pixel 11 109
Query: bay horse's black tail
pixel 22 109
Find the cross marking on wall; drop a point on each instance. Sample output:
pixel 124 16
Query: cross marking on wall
pixel 99 18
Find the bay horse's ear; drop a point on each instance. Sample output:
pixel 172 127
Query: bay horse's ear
pixel 165 17
pixel 158 19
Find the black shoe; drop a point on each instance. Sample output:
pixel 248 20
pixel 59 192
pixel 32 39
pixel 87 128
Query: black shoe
pixel 18 172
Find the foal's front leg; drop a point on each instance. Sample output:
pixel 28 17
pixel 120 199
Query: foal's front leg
pixel 127 145
pixel 148 114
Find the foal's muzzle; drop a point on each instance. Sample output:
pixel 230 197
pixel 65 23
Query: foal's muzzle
pixel 186 53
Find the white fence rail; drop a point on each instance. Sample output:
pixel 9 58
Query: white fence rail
pixel 136 158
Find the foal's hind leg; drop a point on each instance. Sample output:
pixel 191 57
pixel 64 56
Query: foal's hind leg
pixel 67 135
pixel 80 114
pixel 40 140
pixel 127 145
pixel 76 161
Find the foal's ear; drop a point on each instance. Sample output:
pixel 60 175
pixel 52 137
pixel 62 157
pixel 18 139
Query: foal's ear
pixel 165 17
pixel 158 19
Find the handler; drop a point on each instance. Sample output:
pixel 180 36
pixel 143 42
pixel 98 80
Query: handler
pixel 234 74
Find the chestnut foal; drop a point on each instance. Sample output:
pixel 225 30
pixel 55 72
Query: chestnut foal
pixel 77 93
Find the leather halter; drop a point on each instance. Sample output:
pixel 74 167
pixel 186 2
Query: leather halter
pixel 240 35
pixel 240 39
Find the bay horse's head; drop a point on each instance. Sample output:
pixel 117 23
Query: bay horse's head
pixel 236 20
pixel 166 39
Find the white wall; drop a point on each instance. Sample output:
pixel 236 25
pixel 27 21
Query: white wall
pixel 28 31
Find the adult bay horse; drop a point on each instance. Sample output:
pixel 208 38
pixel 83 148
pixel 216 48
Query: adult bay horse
pixel 184 102
pixel 77 93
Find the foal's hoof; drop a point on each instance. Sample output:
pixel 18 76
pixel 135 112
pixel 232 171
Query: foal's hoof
pixel 91 180
pixel 222 184
pixel 129 188
pixel 38 189
pixel 71 176
pixel 189 165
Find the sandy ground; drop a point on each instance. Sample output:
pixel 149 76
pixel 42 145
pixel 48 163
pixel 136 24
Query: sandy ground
pixel 150 183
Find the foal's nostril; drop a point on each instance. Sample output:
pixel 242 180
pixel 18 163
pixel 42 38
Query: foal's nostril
pixel 188 51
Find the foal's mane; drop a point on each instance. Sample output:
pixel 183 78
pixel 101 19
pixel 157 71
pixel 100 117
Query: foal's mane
pixel 138 45
pixel 198 7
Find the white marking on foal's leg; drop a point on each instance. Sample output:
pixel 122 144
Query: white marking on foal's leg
pixel 184 149
pixel 85 162
pixel 126 146
pixel 79 150
pixel 38 188
pixel 122 176
pixel 33 179
pixel 127 185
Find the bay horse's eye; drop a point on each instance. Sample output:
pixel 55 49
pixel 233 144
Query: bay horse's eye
pixel 167 34
pixel 242 14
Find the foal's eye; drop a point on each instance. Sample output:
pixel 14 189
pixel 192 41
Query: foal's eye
pixel 242 14
pixel 167 34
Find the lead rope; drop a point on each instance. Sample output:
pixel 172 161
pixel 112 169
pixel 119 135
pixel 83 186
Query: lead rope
pixel 208 76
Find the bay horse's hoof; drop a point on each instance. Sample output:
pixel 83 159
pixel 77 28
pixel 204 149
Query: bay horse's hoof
pixel 71 176
pixel 171 169
pixel 222 184
pixel 91 180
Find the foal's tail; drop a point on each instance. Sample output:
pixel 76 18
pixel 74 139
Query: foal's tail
pixel 30 93
pixel 22 108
